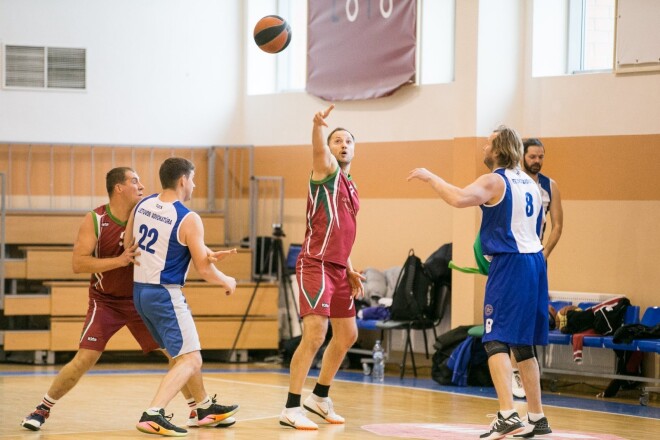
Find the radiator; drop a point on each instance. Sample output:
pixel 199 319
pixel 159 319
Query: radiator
pixel 594 360
pixel 578 297
pixel 560 357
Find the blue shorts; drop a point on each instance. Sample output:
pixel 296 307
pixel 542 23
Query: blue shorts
pixel 167 316
pixel 516 301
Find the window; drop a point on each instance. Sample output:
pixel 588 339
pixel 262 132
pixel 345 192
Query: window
pixel 591 35
pixel 287 70
pixel 436 60
pixel 44 67
pixel 572 36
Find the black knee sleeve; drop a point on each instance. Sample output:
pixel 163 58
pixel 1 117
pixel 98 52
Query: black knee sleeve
pixel 523 352
pixel 495 347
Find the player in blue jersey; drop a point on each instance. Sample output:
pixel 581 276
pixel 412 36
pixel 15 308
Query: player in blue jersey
pixel 517 283
pixel 170 236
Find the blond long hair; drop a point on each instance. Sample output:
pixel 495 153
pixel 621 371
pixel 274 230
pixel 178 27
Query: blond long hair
pixel 507 147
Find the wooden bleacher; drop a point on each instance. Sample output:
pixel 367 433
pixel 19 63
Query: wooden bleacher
pixel 218 317
pixel 54 263
pixel 48 255
pixel 61 228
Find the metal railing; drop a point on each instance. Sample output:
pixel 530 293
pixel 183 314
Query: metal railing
pixel 267 208
pixel 49 161
pixel 3 182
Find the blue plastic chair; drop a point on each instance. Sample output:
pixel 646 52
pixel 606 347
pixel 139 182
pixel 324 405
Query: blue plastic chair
pixel 651 317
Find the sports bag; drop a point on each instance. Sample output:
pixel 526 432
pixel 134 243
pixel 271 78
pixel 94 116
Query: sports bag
pixel 412 299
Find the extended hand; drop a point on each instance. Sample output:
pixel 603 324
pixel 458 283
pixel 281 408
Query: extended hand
pixel 214 256
pixel 319 117
pixel 420 173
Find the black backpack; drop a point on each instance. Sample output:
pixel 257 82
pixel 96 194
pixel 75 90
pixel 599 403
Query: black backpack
pixel 412 299
pixel 437 265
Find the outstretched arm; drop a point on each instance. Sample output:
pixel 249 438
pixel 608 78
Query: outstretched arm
pixel 557 217
pixel 486 189
pixel 323 162
pixel 191 234
pixel 84 261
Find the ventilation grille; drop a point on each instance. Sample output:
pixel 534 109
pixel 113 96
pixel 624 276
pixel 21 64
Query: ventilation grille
pixel 45 67
pixel 66 68
pixel 25 66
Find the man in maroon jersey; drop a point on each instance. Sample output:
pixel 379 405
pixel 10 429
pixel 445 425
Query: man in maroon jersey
pixel 328 284
pixel 99 250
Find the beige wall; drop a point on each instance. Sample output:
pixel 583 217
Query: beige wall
pixel 611 200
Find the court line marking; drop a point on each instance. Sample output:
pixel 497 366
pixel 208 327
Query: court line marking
pixel 620 411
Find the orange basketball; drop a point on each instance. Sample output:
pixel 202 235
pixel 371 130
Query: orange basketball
pixel 272 34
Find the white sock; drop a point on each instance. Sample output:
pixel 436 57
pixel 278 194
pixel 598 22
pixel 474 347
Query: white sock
pixel 204 403
pixel 153 411
pixel 534 417
pixel 48 401
pixel 507 413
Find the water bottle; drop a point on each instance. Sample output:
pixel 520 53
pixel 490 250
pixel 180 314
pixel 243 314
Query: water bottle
pixel 378 371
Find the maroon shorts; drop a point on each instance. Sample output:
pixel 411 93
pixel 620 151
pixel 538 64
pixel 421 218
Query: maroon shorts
pixel 324 289
pixel 107 317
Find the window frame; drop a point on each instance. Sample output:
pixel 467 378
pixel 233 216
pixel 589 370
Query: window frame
pixel 576 28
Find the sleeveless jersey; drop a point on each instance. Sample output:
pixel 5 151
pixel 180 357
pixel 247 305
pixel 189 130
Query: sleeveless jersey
pixel 546 196
pixel 110 243
pixel 163 259
pixel 513 224
pixel 332 207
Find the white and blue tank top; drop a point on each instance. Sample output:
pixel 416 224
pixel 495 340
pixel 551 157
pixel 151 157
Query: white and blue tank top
pixel 513 224
pixel 163 259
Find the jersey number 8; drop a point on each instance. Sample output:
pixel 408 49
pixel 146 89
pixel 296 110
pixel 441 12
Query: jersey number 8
pixel 529 206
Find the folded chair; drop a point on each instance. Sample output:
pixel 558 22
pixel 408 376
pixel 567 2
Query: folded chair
pixel 439 303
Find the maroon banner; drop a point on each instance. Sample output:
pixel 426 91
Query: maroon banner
pixel 360 49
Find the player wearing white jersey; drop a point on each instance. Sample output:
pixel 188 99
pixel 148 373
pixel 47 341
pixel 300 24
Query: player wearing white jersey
pixel 534 155
pixel 509 233
pixel 516 301
pixel 533 163
pixel 170 236
pixel 157 226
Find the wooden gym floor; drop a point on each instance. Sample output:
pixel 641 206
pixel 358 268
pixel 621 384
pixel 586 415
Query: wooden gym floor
pixel 108 402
